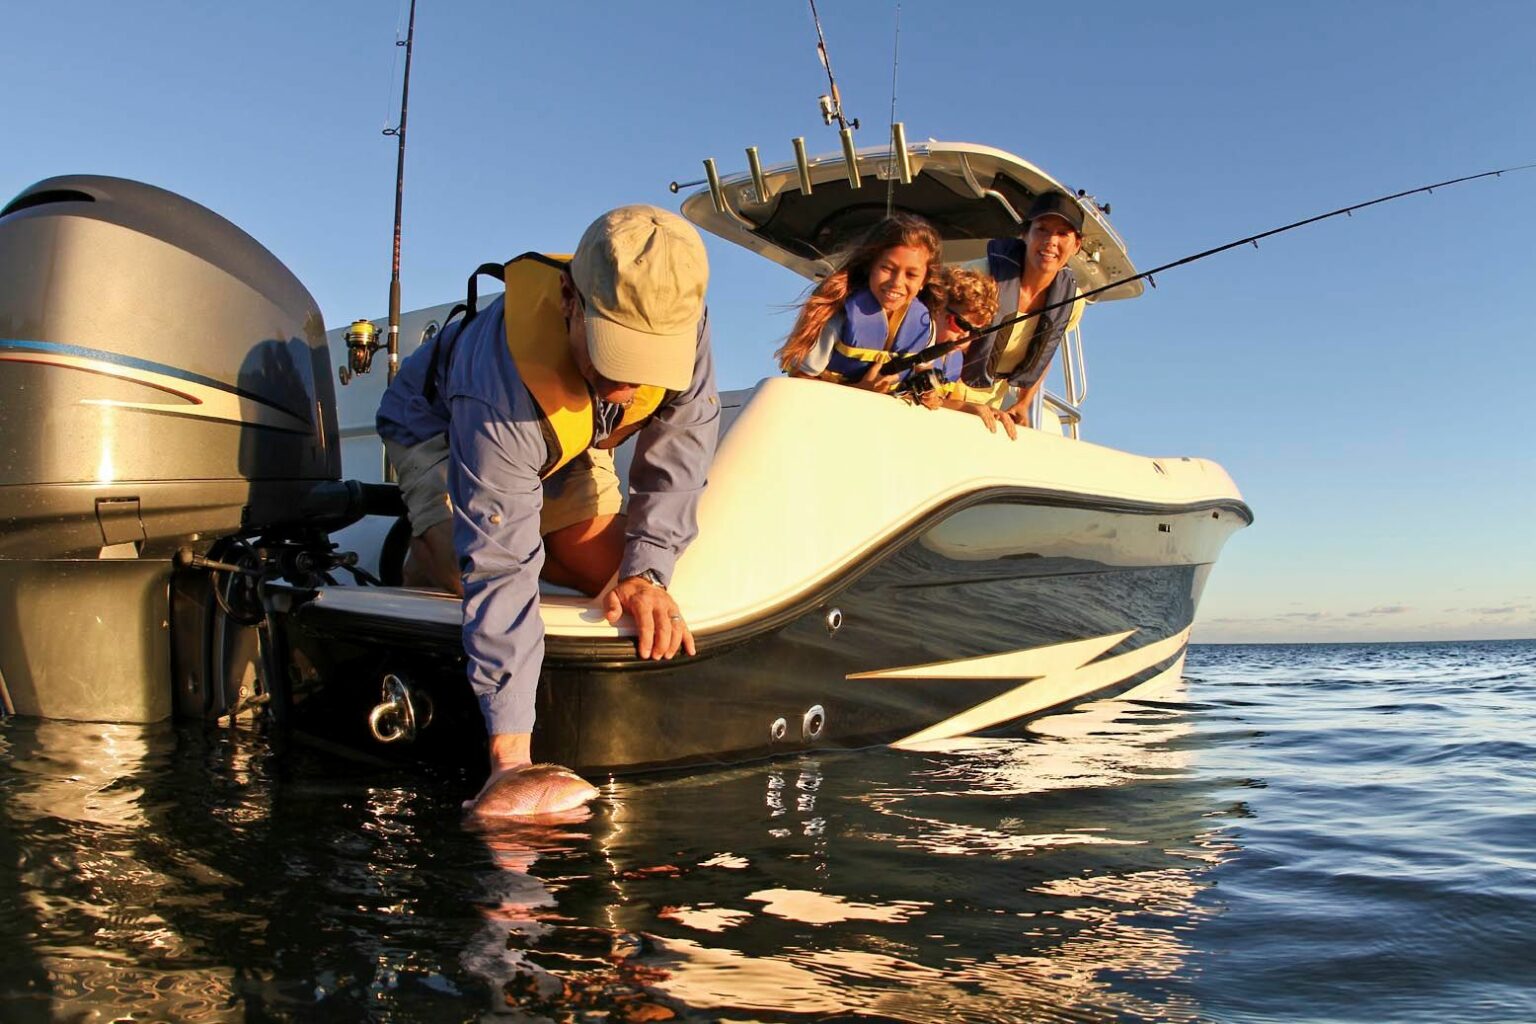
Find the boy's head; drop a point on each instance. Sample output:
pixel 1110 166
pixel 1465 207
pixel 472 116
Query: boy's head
pixel 970 296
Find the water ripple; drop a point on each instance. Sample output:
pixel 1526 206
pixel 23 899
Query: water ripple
pixel 1340 832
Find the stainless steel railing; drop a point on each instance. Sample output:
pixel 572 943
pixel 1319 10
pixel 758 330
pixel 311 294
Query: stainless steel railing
pixel 1074 376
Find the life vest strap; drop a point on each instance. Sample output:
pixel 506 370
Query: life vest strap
pixel 867 355
pixel 472 287
pixel 470 307
pixel 442 354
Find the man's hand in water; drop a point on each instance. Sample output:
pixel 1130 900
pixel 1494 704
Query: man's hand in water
pixel 659 626
pixel 518 789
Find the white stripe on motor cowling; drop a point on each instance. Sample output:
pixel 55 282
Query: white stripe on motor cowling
pixel 205 402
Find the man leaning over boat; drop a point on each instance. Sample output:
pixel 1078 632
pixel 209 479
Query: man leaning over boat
pixel 1032 275
pixel 531 392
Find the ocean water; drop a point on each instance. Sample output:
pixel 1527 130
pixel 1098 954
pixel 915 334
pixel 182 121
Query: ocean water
pixel 1297 833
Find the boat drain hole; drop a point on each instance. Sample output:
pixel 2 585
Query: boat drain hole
pixel 814 722
pixel 778 729
pixel 834 620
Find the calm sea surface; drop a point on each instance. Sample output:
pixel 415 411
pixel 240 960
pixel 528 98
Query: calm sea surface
pixel 1341 832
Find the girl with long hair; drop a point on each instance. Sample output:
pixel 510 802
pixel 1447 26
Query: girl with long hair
pixel 879 303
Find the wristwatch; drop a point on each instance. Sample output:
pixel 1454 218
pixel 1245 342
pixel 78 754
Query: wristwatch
pixel 652 577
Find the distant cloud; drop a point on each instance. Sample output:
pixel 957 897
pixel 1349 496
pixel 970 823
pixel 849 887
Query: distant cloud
pixel 1385 609
pixel 1315 616
pixel 1515 607
pixel 1515 620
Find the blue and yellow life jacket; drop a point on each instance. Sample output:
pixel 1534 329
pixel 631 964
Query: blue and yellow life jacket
pixel 868 338
pixel 1040 336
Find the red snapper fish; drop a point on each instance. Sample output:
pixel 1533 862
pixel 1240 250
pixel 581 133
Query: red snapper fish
pixel 531 792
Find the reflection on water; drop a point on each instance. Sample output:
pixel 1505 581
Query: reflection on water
pixel 1328 833
pixel 92 905
pixel 198 876
pixel 195 876
pixel 1341 835
pixel 1048 877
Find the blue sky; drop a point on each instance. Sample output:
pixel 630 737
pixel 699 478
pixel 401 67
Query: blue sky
pixel 1367 381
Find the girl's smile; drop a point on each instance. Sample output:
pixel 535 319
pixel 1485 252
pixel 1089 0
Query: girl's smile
pixel 898 276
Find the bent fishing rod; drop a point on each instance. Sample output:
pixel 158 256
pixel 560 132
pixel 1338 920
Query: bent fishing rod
pixel 903 363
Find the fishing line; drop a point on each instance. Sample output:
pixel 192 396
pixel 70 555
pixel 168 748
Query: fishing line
pixel 387 126
pixel 903 363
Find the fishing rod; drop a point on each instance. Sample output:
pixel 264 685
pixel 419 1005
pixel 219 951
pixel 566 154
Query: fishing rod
pixel 362 336
pixel 831 104
pixel 890 182
pixel 903 363
pixel 399 132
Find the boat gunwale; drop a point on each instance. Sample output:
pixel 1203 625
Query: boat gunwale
pixel 618 651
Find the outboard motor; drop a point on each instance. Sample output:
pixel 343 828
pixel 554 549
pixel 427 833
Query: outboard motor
pixel 166 385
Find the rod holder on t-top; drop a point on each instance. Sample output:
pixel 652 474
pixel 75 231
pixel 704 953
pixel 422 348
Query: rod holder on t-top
pixel 851 159
pixel 901 163
pixel 831 107
pixel 802 164
pixel 759 182
pixel 716 193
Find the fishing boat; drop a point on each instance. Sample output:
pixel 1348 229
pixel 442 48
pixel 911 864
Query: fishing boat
pixel 195 521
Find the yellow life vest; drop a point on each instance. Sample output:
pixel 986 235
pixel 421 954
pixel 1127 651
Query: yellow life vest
pixel 539 343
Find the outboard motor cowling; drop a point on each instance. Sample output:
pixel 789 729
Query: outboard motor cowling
pixel 166 383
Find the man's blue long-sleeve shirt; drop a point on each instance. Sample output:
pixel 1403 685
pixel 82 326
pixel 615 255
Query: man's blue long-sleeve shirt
pixel 497 445
pixel 406 415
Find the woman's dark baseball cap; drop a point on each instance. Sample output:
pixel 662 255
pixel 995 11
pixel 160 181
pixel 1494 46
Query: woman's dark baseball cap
pixel 1057 204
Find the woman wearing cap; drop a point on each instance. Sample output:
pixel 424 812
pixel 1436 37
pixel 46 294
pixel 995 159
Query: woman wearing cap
pixel 1032 277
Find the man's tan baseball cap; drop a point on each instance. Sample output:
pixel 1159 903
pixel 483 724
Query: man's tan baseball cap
pixel 642 272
